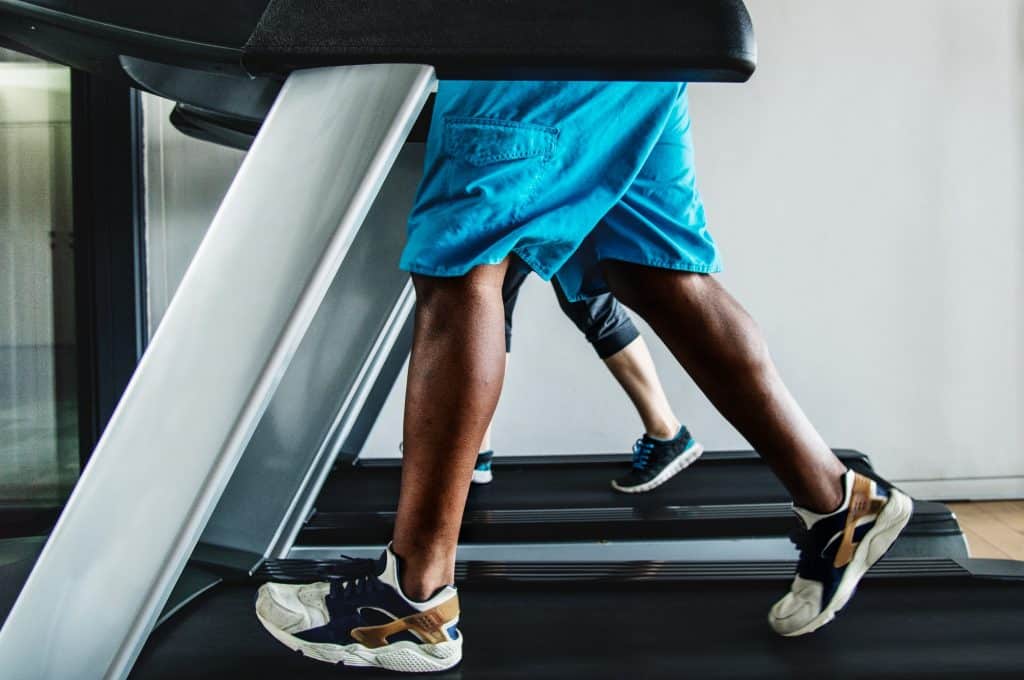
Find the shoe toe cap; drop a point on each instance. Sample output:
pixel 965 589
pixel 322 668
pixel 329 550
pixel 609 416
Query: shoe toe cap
pixel 797 609
pixel 288 607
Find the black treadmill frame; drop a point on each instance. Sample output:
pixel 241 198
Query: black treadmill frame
pixel 109 227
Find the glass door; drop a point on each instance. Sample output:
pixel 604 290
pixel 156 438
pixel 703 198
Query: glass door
pixel 39 452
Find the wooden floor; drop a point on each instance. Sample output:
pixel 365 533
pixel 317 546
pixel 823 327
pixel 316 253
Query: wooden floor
pixel 993 529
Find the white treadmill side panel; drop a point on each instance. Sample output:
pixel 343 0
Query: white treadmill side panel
pixel 248 297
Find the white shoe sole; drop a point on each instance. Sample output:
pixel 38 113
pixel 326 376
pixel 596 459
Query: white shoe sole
pixel 402 657
pixel 891 521
pixel 685 459
pixel 483 476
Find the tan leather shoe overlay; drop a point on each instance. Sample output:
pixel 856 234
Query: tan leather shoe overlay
pixel 862 504
pixel 428 625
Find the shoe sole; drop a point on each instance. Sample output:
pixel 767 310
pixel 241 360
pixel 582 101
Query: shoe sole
pixel 685 460
pixel 401 657
pixel 890 523
pixel 483 476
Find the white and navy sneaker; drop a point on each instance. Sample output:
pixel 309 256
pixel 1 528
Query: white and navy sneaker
pixel 836 550
pixel 362 618
pixel 655 461
pixel 482 472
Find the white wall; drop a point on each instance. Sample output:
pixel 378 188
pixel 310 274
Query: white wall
pixel 865 188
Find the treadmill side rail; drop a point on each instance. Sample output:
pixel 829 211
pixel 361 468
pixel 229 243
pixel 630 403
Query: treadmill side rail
pixel 274 247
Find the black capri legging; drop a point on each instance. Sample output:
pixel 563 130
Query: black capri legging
pixel 602 319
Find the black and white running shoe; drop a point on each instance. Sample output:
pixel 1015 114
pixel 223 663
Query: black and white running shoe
pixel 655 461
pixel 362 618
pixel 836 550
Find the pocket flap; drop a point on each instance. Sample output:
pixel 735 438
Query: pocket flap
pixel 482 141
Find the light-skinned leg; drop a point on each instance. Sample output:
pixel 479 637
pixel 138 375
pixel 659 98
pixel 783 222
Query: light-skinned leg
pixel 633 368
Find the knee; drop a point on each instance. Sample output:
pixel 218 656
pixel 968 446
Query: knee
pixel 433 293
pixel 577 312
pixel 438 300
pixel 649 290
pixel 441 298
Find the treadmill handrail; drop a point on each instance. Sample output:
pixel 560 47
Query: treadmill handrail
pixel 191 52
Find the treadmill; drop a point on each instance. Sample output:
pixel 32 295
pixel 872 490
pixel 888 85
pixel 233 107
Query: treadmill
pixel 206 477
pixel 727 506
pixel 546 507
pixel 549 506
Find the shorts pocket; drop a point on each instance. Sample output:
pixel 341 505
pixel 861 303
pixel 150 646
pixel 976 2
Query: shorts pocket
pixel 495 167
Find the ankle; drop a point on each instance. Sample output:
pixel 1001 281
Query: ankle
pixel 663 429
pixel 827 497
pixel 422 573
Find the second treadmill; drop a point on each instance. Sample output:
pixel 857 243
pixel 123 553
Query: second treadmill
pixel 727 505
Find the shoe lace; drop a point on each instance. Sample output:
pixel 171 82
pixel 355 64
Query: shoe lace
pixel 810 563
pixel 352 576
pixel 642 450
pixel 801 538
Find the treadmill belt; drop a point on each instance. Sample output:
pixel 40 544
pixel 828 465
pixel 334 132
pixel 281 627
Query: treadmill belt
pixel 716 478
pixel 723 495
pixel 928 628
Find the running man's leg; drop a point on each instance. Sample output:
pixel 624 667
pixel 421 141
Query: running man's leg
pixel 848 521
pixel 656 256
pixel 455 377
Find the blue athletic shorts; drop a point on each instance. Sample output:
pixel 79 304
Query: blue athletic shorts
pixel 564 175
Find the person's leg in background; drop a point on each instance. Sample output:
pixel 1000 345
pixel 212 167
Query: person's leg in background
pixel 633 368
pixel 722 349
pixel 666 447
pixel 618 343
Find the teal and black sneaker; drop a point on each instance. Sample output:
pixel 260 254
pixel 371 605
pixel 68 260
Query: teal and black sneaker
pixel 655 461
pixel 482 472
pixel 836 550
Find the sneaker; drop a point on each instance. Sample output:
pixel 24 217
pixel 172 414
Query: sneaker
pixel 655 461
pixel 836 550
pixel 482 472
pixel 362 618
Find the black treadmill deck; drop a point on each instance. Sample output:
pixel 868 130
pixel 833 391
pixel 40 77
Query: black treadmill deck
pixel 910 618
pixel 933 624
pixel 725 494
